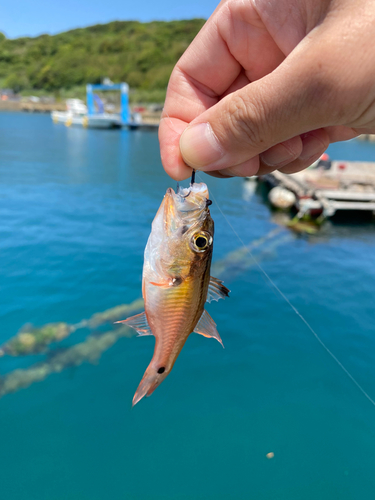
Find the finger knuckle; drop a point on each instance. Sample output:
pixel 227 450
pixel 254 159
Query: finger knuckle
pixel 245 120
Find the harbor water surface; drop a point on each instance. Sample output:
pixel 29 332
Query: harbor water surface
pixel 75 212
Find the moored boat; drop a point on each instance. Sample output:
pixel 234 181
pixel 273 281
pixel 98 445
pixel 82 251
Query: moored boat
pixel 76 114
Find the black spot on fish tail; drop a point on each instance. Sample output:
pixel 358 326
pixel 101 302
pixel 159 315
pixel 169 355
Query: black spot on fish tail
pixel 161 370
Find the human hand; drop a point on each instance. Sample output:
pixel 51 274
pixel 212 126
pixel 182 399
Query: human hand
pixel 268 84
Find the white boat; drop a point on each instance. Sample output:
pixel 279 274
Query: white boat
pixel 76 114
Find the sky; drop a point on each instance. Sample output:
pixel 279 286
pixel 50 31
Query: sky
pixel 32 18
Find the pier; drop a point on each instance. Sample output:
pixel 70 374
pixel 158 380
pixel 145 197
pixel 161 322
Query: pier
pixel 346 186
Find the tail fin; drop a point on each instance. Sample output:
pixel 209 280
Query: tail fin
pixel 150 381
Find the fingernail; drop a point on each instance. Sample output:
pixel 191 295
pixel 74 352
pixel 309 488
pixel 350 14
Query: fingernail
pixel 311 146
pixel 199 146
pixel 277 156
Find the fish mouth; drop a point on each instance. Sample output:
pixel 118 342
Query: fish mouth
pixel 193 198
pixel 187 207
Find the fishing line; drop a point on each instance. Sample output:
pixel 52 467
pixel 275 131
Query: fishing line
pixel 307 324
pixel 273 284
pixel 171 123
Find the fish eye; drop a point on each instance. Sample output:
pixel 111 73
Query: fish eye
pixel 161 370
pixel 201 241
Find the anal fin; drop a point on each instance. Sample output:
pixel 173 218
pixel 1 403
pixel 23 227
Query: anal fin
pixel 139 323
pixel 216 290
pixel 207 327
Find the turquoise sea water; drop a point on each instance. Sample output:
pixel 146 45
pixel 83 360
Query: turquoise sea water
pixel 75 213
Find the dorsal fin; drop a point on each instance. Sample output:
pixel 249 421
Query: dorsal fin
pixel 207 327
pixel 216 290
pixel 139 323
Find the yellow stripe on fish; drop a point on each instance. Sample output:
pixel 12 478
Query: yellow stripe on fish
pixel 176 281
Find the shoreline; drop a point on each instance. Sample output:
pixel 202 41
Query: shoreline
pixel 32 107
pixel 148 117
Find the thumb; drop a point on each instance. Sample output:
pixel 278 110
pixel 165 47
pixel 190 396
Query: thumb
pixel 267 116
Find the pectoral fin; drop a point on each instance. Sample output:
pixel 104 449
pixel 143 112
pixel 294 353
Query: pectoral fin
pixel 207 327
pixel 216 290
pixel 167 283
pixel 139 323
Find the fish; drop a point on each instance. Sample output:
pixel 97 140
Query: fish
pixel 176 281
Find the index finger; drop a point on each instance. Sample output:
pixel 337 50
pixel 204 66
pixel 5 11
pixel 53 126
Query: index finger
pixel 196 83
pixel 233 48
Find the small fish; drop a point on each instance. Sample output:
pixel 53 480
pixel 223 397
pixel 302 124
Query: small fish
pixel 176 281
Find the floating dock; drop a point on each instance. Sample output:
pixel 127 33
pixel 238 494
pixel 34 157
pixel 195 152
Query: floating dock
pixel 346 186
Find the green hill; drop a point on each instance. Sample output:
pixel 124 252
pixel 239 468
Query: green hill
pixel 141 54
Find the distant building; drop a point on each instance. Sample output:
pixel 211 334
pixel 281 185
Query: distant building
pixel 8 95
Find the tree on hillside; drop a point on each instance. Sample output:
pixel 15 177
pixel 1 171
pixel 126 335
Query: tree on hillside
pixel 142 54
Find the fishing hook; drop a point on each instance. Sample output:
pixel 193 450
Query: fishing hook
pixel 192 178
pixel 178 191
pixel 192 181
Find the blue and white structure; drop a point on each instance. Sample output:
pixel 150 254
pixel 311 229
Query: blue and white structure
pixel 92 98
pixel 93 115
